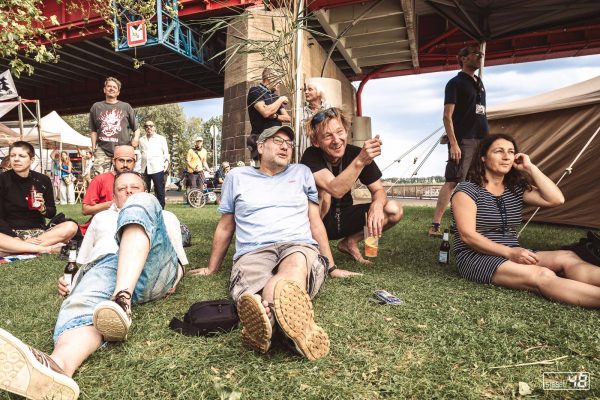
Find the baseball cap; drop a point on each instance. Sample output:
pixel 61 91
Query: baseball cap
pixel 198 138
pixel 270 132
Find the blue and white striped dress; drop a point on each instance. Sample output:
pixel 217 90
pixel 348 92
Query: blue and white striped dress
pixel 497 219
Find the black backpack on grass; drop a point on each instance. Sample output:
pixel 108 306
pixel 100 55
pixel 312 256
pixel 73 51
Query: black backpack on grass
pixel 588 248
pixel 207 318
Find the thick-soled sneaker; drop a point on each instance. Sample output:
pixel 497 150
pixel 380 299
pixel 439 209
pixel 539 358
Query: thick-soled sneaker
pixel 112 318
pixel 31 373
pixel 256 328
pixel 435 231
pixel 295 316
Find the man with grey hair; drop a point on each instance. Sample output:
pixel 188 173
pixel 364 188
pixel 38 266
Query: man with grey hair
pixel 265 107
pixel 466 124
pixel 282 252
pixel 110 124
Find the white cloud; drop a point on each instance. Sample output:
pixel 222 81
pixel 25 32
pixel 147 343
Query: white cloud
pixel 404 110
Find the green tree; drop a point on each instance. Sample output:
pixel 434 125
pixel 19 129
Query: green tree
pixel 22 33
pixel 23 27
pixel 170 122
pixel 79 122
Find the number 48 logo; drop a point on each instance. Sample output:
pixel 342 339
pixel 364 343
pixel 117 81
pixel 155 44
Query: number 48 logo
pixel 580 380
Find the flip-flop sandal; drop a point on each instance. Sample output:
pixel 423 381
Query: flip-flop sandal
pixel 295 316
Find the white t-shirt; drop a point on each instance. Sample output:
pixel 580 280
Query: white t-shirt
pixel 99 239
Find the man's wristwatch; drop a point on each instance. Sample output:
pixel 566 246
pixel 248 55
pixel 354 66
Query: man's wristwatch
pixel 331 269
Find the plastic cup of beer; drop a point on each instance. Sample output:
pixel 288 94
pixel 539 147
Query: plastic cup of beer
pixel 371 244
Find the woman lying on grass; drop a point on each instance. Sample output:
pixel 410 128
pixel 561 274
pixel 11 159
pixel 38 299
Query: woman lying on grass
pixel 487 210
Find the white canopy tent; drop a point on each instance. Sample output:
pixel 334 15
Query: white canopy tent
pixel 55 131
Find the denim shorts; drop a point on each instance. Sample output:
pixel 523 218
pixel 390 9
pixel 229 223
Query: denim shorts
pixel 251 271
pixel 96 281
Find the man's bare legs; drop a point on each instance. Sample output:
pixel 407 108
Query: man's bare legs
pixel 74 347
pixel 113 318
pixel 440 207
pixel 349 245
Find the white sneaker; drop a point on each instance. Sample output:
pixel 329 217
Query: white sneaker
pixel 31 373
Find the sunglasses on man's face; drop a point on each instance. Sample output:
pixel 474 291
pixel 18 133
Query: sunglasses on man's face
pixel 321 115
pixel 148 126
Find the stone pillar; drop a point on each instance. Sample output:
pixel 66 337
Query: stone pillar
pixel 244 71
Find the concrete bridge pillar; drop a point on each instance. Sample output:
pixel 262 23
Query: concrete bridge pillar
pixel 245 71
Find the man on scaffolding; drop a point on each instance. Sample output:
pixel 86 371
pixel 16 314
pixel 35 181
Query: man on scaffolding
pixel 336 166
pixel 466 124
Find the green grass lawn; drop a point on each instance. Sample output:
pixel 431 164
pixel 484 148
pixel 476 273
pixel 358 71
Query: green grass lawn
pixel 443 342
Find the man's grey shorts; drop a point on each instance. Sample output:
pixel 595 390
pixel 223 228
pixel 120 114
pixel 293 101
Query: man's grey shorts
pixel 457 172
pixel 252 271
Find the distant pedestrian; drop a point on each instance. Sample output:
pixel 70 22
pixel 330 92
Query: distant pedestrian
pixel 155 160
pixel 196 165
pixel 67 184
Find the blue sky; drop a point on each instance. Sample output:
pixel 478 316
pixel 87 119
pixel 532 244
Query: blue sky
pixel 404 110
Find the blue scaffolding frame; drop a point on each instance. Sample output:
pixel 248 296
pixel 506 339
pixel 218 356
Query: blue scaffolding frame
pixel 171 32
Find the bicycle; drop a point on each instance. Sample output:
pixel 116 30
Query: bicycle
pixel 198 198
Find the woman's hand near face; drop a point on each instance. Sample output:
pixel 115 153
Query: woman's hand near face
pixel 522 163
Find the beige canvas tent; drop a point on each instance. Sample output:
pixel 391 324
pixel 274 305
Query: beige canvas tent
pixel 553 128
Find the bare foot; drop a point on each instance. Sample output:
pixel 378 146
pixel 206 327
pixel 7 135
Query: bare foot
pixel 268 310
pixel 53 249
pixel 351 249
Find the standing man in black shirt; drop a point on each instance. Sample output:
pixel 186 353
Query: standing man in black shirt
pixel 466 124
pixel 265 107
pixel 336 165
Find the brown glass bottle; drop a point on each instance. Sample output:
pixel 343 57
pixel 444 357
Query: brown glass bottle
pixel 71 267
pixel 444 256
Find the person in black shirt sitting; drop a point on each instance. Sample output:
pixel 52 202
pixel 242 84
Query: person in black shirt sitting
pixel 22 215
pixel 336 165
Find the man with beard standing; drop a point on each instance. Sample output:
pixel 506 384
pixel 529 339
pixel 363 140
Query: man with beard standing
pixel 466 124
pixel 110 123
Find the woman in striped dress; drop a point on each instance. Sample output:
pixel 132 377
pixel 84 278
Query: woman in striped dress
pixel 487 211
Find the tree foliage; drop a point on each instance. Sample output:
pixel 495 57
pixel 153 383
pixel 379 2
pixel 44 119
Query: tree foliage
pixel 171 122
pixel 22 34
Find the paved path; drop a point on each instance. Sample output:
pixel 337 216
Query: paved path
pixel 175 197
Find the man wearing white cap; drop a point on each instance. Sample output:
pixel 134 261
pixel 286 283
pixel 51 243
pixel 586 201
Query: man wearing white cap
pixel 196 164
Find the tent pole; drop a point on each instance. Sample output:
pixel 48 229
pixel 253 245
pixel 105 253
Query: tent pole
pixel 482 47
pixel 39 127
pixel 20 109
pixel 568 171
pixel 298 94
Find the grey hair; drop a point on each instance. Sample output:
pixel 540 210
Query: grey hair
pixel 318 87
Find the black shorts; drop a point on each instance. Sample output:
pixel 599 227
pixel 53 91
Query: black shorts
pixel 458 172
pixel 352 220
